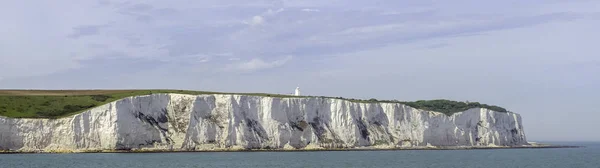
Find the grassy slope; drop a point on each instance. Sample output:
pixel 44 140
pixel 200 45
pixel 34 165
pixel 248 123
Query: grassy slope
pixel 61 103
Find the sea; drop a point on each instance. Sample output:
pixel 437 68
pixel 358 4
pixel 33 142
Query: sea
pixel 586 156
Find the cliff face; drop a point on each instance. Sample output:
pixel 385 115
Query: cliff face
pixel 222 122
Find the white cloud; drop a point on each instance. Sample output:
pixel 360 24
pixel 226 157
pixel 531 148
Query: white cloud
pixel 257 64
pixel 204 59
pixel 256 20
pixel 272 12
pixel 187 59
pixel 225 54
pixel 310 10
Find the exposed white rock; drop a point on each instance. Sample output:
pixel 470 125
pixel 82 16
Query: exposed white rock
pixel 230 122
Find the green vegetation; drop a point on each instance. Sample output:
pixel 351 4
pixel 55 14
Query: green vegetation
pixel 43 106
pixel 61 103
pixel 450 107
pixel 447 107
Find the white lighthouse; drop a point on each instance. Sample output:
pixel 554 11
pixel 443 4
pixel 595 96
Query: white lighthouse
pixel 297 92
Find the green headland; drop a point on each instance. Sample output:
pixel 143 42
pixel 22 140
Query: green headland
pixel 61 103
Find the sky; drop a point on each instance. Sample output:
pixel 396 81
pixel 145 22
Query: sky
pixel 536 58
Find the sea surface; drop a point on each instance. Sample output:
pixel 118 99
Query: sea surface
pixel 587 156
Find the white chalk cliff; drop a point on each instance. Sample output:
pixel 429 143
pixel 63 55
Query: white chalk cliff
pixel 228 122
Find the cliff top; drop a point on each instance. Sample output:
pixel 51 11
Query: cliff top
pixel 60 103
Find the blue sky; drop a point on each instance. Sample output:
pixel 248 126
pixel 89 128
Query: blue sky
pixel 537 58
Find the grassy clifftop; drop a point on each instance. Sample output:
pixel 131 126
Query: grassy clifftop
pixel 60 103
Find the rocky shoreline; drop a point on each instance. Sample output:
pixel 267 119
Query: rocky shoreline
pixel 545 146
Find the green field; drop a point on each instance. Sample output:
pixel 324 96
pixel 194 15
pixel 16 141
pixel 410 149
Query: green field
pixel 61 103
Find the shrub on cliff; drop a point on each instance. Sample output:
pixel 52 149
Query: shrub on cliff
pixel 449 107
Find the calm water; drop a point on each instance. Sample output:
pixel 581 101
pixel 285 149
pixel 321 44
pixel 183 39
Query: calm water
pixel 500 158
